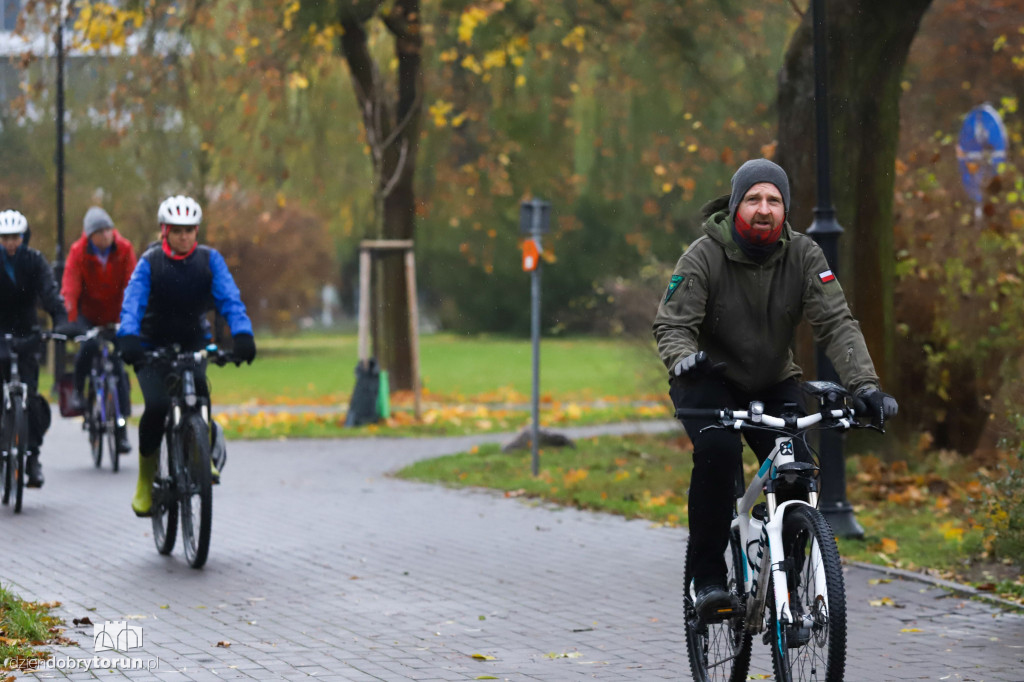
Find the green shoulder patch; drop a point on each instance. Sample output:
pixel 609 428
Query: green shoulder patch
pixel 673 284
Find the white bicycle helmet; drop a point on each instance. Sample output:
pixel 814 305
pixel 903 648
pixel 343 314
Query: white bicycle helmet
pixel 13 222
pixel 179 210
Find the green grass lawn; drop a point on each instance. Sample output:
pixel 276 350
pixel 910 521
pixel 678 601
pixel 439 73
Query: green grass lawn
pixel 320 369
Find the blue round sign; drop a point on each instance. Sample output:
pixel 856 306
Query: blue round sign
pixel 980 149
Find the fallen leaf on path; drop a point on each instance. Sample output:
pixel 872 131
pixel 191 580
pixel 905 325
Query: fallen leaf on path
pixel 82 621
pixel 483 657
pixel 224 643
pixel 884 601
pixel 879 581
pixel 911 630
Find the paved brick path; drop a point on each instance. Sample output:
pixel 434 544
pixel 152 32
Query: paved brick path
pixel 323 566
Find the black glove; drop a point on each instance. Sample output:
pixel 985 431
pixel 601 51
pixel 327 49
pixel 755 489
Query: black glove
pixel 131 349
pixel 876 405
pixel 245 347
pixel 68 329
pixel 697 365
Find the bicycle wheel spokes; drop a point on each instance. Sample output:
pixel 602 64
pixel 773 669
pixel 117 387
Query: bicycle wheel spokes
pixel 718 652
pixel 94 419
pixel 6 456
pixel 19 447
pixel 165 504
pixel 196 503
pixel 814 645
pixel 110 426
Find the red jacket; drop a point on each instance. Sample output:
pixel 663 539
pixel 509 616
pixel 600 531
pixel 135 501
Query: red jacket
pixel 94 290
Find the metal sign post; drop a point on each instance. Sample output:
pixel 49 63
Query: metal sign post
pixel 534 219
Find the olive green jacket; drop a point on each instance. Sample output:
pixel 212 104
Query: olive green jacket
pixel 745 314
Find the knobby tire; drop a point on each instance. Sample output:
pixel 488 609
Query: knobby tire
pixel 809 546
pixel 110 425
pixel 19 446
pixel 8 455
pixel 719 652
pixel 197 502
pixel 94 422
pixel 165 498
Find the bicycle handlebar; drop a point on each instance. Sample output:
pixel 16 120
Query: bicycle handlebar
pixel 755 417
pixel 211 353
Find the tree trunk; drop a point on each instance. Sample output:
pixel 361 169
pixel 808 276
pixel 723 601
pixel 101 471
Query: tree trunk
pixel 868 42
pixel 392 127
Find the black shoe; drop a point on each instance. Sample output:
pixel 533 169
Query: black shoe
pixel 124 445
pixel 35 472
pixel 714 604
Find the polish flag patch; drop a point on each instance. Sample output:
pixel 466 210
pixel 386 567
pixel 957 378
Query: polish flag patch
pixel 826 276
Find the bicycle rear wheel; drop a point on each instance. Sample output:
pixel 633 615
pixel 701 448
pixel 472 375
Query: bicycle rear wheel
pixel 94 421
pixel 813 647
pixel 718 652
pixel 110 424
pixel 165 499
pixel 19 447
pixel 197 501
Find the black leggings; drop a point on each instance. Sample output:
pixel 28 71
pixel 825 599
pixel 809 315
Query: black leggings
pixel 717 463
pixel 153 382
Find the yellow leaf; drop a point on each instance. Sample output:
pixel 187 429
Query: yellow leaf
pixel 884 601
pixel 890 546
pixel 483 657
pixel 911 630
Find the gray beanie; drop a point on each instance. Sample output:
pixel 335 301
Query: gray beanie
pixel 96 219
pixel 753 172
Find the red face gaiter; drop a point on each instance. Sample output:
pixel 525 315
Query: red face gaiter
pixel 757 237
pixel 169 252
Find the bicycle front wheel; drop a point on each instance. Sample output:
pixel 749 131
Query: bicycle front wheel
pixel 812 648
pixel 165 499
pixel 6 456
pixel 197 500
pixel 19 449
pixel 94 423
pixel 719 652
pixel 110 425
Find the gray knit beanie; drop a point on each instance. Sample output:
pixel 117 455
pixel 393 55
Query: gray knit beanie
pixel 753 172
pixel 96 219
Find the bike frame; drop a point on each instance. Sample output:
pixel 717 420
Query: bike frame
pixel 14 388
pixel 756 586
pixel 104 378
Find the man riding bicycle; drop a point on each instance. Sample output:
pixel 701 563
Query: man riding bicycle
pixel 175 284
pixel 96 273
pixel 26 281
pixel 725 328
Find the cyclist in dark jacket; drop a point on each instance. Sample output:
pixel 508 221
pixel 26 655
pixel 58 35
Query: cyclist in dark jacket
pixel 175 284
pixel 725 328
pixel 26 282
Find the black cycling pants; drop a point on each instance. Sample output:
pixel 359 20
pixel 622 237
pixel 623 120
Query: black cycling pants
pixel 717 463
pixel 153 382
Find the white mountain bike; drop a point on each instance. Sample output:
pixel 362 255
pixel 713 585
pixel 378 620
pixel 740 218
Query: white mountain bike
pixel 783 565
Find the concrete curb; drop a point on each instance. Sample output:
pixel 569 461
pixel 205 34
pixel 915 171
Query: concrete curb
pixel 950 585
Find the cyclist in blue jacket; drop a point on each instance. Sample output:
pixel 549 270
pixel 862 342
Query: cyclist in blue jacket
pixel 176 282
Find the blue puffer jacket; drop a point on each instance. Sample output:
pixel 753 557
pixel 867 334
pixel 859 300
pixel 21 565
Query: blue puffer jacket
pixel 167 299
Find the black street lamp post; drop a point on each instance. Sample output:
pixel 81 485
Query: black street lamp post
pixel 58 266
pixel 826 230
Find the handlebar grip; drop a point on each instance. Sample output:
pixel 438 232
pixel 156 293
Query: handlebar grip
pixel 698 413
